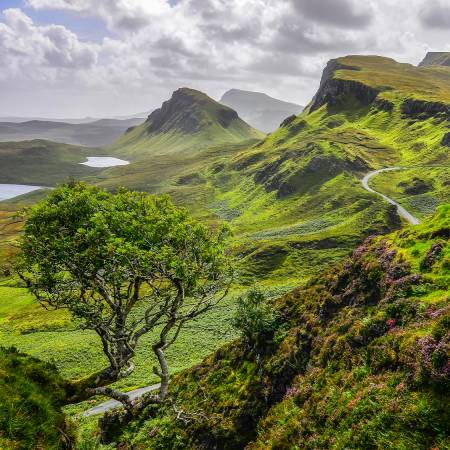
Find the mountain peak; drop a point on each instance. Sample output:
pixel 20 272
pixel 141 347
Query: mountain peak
pixel 259 109
pixel 436 59
pixel 188 111
pixel 189 120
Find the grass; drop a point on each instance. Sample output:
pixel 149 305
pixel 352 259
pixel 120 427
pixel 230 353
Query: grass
pixel 294 200
pixel 31 394
pixel 359 362
pixel 187 122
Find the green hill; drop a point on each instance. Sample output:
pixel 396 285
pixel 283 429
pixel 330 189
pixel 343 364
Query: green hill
pixel 189 121
pixel 357 359
pixel 42 162
pixel 295 199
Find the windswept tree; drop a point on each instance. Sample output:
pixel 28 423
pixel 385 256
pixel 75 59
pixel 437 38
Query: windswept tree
pixel 124 264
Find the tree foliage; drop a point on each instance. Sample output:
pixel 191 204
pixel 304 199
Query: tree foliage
pixel 255 317
pixel 124 264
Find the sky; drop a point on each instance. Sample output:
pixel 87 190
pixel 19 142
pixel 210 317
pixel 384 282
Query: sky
pixel 107 58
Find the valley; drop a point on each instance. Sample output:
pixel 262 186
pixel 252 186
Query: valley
pixel 369 156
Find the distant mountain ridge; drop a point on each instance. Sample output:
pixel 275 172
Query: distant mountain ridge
pixel 189 120
pixel 92 134
pixel 436 59
pixel 258 109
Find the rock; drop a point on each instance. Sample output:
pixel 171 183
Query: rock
pixel 446 140
pixel 436 59
pixel 417 186
pixel 423 110
pixel 432 256
pixel 288 120
pixel 383 105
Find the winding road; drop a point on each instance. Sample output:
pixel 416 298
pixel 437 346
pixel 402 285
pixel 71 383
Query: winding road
pixel 400 210
pixel 111 404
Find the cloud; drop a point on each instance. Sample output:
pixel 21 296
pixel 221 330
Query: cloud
pixel 119 15
pixel 436 14
pixel 154 46
pixel 28 49
pixel 337 13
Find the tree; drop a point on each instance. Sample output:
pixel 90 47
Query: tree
pixel 255 317
pixel 124 264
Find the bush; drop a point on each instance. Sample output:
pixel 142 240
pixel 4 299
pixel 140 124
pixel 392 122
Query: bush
pixel 255 317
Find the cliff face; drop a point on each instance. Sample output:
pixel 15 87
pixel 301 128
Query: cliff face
pixel 334 91
pixel 189 120
pixel 422 110
pixel 187 111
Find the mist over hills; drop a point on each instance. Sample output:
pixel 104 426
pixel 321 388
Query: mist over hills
pixel 92 133
pixel 258 109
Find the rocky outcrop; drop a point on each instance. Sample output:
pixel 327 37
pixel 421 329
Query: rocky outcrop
pixel 423 110
pixel 436 59
pixel 186 112
pixel 383 105
pixel 286 181
pixel 334 91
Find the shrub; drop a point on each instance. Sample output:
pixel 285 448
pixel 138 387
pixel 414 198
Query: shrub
pixel 255 317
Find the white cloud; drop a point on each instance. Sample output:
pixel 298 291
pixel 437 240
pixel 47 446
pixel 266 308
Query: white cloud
pixel 153 47
pixel 32 51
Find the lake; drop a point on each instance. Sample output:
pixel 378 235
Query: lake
pixel 8 191
pixel 104 161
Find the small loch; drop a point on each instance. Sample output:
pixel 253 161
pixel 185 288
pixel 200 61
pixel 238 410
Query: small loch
pixel 8 191
pixel 104 161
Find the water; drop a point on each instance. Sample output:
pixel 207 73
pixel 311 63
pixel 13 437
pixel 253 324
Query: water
pixel 8 191
pixel 104 161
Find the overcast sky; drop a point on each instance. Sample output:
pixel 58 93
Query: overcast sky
pixel 103 58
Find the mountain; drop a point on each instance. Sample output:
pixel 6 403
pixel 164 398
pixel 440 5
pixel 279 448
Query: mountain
pixel 261 111
pixel 355 356
pixel 189 121
pixel 436 59
pixel 295 199
pixel 93 134
pixel 355 359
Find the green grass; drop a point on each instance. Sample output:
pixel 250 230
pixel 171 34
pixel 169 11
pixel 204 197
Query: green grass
pixel 294 201
pixel 31 394
pixel 188 122
pixel 42 162
pixel 385 74
pixel 359 362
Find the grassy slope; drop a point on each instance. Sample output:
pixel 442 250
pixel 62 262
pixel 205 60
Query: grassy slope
pixel 295 202
pixel 42 162
pixel 360 362
pixel 31 393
